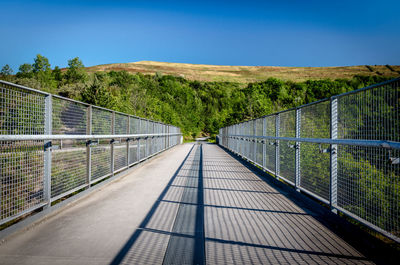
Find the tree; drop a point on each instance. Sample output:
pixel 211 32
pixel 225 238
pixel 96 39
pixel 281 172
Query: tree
pixel 57 74
pixel 97 94
pixel 6 70
pixel 25 71
pixel 41 64
pixel 42 72
pixel 76 71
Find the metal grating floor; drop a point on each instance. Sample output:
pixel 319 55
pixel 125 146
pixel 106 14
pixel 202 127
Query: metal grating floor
pixel 247 221
pixel 212 209
pixel 217 211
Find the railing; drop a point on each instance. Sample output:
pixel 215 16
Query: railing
pixel 344 151
pixel 51 147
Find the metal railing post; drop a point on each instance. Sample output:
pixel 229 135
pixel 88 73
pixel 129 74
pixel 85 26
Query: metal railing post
pixel 255 141
pixel 112 142
pixel 138 140
pixel 165 128
pixel 277 155
pixel 333 155
pixel 146 139
pixel 128 130
pixel 264 150
pixel 297 150
pixel 48 113
pixel 88 147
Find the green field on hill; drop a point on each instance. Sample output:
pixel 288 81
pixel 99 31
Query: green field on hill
pixel 200 99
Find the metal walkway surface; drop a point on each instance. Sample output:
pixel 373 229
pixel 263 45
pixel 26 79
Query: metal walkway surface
pixel 193 204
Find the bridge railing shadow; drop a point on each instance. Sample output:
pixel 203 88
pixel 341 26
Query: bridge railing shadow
pixel 241 218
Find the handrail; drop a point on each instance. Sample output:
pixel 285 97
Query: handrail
pixel 353 142
pixel 40 137
pixel 357 175
pixel 52 147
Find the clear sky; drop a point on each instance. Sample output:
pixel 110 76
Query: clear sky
pixel 273 33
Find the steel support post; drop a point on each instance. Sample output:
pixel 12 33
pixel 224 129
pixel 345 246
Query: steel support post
pixel 48 111
pixel 112 142
pixel 247 153
pixel 277 155
pixel 168 145
pixel 146 140
pixel 88 147
pixel 241 141
pixel 297 146
pixel 165 137
pixel 333 155
pixel 264 149
pixel 138 140
pixel 255 141
pixel 128 130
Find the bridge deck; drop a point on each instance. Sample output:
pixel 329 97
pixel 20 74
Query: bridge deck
pixel 191 205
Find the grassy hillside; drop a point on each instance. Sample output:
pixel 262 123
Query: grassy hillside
pixel 247 74
pixel 180 94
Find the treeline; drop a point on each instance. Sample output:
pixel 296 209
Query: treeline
pixel 196 107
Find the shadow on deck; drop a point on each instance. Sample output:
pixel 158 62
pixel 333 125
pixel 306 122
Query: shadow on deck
pixel 218 209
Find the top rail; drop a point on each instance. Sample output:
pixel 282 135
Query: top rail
pixel 40 137
pixel 353 142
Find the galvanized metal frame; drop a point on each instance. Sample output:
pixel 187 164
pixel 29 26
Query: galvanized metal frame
pixel 88 147
pixel 264 160
pixel 47 150
pixel 160 131
pixel 277 155
pixel 297 146
pixel 333 154
pixel 236 136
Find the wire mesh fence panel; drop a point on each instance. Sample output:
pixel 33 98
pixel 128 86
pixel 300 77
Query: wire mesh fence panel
pixel 170 140
pixel 314 163
pixel 156 139
pixel 259 145
pixel 68 117
pixel 143 126
pixel 248 143
pixel 163 130
pixel 152 140
pixel 368 178
pixel 121 124
pixel 315 169
pixel 287 128
pixel 365 173
pixel 315 120
pixel 134 125
pixel 159 139
pixel 68 169
pixel 371 114
pixel 142 148
pixel 22 112
pixel 21 175
pixel 270 154
pixel 101 159
pixel 24 163
pixel 133 152
pixel 369 185
pixel 101 121
pixel 120 155
pixel 243 140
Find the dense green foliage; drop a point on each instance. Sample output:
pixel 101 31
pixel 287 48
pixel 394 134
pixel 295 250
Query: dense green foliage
pixel 192 105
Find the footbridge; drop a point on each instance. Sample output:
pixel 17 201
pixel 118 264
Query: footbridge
pixel 318 184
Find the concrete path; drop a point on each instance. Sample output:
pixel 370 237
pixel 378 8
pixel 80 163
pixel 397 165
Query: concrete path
pixel 193 204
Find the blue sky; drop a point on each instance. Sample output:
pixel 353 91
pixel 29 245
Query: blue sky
pixel 275 33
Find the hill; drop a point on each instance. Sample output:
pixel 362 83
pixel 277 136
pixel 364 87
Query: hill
pixel 247 74
pixel 180 94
